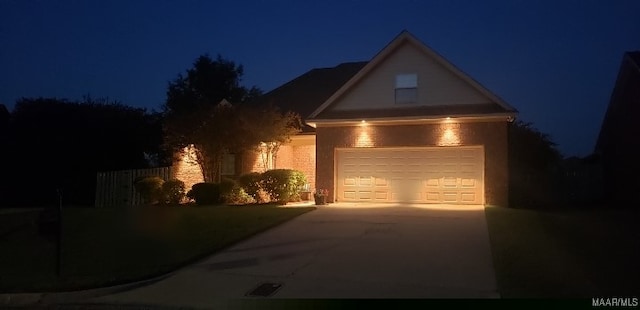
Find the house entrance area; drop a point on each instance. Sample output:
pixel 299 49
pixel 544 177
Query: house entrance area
pixel 442 175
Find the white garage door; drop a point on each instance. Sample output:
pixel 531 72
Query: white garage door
pixel 427 175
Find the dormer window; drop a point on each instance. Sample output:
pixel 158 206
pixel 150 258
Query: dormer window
pixel 406 88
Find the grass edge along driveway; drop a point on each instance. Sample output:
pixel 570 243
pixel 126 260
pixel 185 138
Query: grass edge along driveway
pixel 110 246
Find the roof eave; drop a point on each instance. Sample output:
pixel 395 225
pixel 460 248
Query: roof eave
pixel 506 116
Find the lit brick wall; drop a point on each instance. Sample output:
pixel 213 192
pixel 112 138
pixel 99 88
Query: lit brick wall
pixel 493 135
pixel 284 158
pixel 299 157
pixel 251 161
pixel 187 170
pixel 304 159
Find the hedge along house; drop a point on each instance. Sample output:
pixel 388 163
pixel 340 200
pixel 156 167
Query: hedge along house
pixel 406 126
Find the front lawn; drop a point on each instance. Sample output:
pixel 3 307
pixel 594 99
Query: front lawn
pixel 111 246
pixel 565 253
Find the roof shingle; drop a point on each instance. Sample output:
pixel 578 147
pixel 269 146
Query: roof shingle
pixel 307 92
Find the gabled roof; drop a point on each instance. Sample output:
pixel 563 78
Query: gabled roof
pixel 307 92
pixel 635 57
pixel 623 105
pixel 405 37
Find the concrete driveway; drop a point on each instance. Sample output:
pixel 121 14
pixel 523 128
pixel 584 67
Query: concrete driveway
pixel 343 251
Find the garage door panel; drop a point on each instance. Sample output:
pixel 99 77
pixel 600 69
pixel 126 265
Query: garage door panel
pixel 468 168
pixel 432 167
pixel 365 195
pixel 349 181
pixel 433 183
pixel 365 182
pixel 468 183
pixel 349 195
pixel 449 182
pixel 397 168
pixel 406 197
pixel 449 154
pixel 414 167
pixel 380 182
pixel 468 197
pixel 468 153
pixel 429 175
pixel 432 197
pixel 382 196
pixel 382 168
pixel 347 167
pixel 450 197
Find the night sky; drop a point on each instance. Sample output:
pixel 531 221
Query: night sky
pixel 555 61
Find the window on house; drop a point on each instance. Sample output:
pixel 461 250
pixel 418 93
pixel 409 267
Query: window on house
pixel 406 88
pixel 228 164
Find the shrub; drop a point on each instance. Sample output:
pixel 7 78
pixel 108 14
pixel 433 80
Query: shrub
pixel 149 187
pixel 250 182
pixel 283 185
pixel 238 197
pixel 173 191
pixel 226 186
pixel 205 193
pixel 263 196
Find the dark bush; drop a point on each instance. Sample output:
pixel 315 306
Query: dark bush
pixel 250 182
pixel 205 193
pixel 227 185
pixel 232 193
pixel 283 185
pixel 173 191
pixel 149 187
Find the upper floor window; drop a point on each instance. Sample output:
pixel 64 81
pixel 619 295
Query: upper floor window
pixel 406 88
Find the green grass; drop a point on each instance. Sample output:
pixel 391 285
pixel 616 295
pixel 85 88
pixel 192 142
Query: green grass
pixel 565 253
pixel 112 246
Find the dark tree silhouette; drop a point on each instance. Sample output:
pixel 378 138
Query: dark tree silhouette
pixel 533 156
pixel 195 115
pixel 4 118
pixel 56 143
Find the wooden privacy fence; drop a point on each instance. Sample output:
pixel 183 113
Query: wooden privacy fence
pixel 115 188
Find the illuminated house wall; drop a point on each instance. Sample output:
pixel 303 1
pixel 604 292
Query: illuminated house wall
pixel 300 154
pixel 298 157
pixel 187 169
pixel 492 135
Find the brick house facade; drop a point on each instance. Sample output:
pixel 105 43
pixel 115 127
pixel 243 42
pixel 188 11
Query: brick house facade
pixel 406 126
pixel 491 135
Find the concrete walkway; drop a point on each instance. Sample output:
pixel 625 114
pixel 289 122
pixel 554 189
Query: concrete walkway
pixel 343 251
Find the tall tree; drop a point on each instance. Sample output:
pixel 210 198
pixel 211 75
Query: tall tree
pixel 56 143
pixel 4 117
pixel 195 114
pixel 533 156
pixel 531 150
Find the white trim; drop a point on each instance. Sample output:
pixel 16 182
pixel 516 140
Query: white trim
pixel 506 117
pixel 389 49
